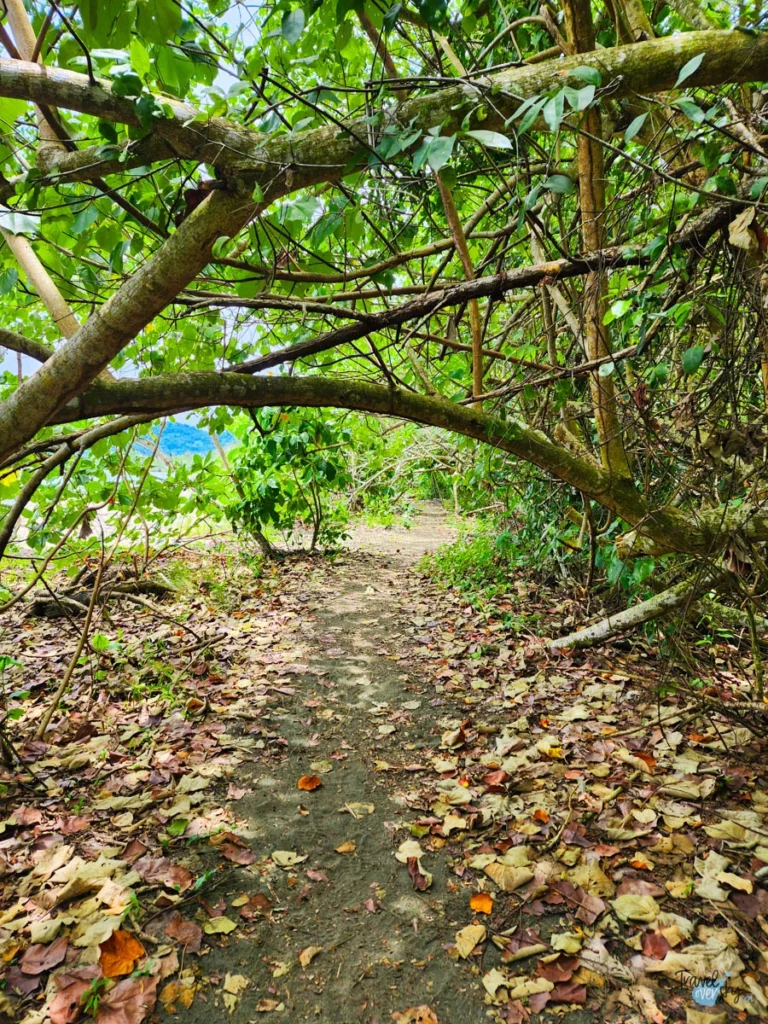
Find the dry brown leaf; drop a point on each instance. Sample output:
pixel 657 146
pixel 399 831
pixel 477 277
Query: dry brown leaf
pixel 129 1002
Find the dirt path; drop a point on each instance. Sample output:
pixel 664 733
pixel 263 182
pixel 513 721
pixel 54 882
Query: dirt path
pixel 381 941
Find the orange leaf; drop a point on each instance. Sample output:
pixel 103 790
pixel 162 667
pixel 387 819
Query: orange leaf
pixel 648 758
pixel 119 954
pixel 482 903
pixel 309 782
pixel 540 815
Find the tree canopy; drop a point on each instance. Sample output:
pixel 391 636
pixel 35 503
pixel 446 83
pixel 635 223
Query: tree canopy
pixel 538 227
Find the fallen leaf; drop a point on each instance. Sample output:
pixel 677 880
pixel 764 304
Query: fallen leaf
pixel 495 983
pixel 129 1002
pixel 508 877
pixel 469 937
pixel 416 1015
pixel 482 903
pixel 307 955
pixel 309 783
pixel 237 854
pixel 568 992
pixel 219 926
pixel 348 847
pixel 655 945
pixel 165 872
pixel 181 991
pixel 287 858
pixel 233 987
pixel 636 908
pixel 40 958
pixel 421 879
pixel 357 810
pixel 71 986
pixel 186 932
pixel 119 954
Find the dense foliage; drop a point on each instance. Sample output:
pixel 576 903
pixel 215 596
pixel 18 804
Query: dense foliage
pixel 542 229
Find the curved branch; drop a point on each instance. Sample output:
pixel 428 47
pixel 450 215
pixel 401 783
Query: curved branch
pixel 675 529
pixel 26 346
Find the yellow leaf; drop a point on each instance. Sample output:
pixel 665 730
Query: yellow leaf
pixel 348 847
pixel 468 938
pixel 219 926
pixel 306 956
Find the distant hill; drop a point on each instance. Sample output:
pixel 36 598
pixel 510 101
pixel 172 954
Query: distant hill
pixel 186 439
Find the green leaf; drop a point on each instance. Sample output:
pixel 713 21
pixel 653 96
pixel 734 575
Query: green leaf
pixel 258 193
pixel 128 85
pixel 586 74
pixel 449 177
pixel 343 36
pixel 606 369
pixel 634 126
pixel 439 151
pixel 9 111
pixel 691 110
pixel 84 219
pixel 559 183
pixel 292 25
pixel 390 17
pixel 177 827
pixel 579 99
pixel 533 109
pixel 692 358
pixel 9 278
pixel 158 21
pixel 140 61
pixel 19 224
pixel 689 68
pixel 494 140
pixel 553 111
pixel 621 307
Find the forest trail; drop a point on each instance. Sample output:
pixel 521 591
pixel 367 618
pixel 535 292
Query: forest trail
pixel 380 942
pixel 352 794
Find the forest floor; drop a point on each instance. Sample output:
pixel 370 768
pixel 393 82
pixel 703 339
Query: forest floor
pixel 338 793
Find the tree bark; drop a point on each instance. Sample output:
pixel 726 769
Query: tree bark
pixel 672 529
pixel 581 37
pixel 325 154
pixel 654 608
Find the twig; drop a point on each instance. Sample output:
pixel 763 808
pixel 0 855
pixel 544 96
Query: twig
pixel 41 729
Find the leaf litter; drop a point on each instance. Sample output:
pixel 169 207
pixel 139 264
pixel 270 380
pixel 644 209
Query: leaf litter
pixel 614 845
